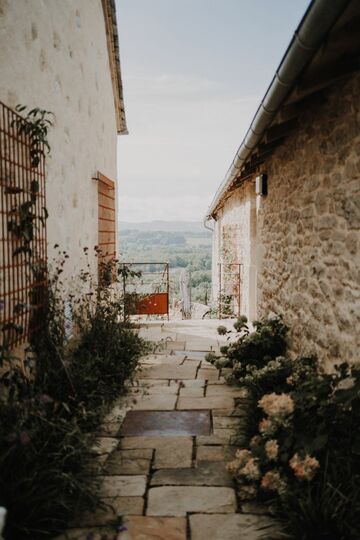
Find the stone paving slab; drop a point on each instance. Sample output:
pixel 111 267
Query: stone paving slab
pixel 156 528
pixel 110 510
pixel 230 527
pixel 177 501
pixel 215 453
pixel 168 371
pixel 207 474
pixel 156 402
pixel 208 374
pixel 162 390
pixel 117 464
pixel 178 345
pixel 223 390
pixel 160 358
pixel 218 402
pixel 122 486
pixel 166 423
pixel 225 422
pixel 170 452
pixel 212 439
pixel 192 391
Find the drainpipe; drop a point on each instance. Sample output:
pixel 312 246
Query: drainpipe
pixel 206 220
pixel 318 20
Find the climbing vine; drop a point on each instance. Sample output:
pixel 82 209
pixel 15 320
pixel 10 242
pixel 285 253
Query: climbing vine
pixel 35 125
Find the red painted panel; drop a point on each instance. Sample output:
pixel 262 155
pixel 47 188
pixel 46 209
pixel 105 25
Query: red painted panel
pixel 154 304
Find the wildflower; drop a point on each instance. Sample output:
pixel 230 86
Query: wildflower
pixel 233 467
pixel 304 469
pixel 44 398
pixel 243 456
pixel 251 470
pixel 267 427
pixel 24 438
pixel 278 406
pixel 255 441
pixel 272 481
pixel 272 449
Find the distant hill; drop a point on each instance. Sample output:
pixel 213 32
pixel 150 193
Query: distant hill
pixel 165 226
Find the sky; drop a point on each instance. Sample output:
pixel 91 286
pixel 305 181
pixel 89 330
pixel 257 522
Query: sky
pixel 194 73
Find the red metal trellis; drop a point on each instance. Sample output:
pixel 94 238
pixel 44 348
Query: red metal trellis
pixel 22 275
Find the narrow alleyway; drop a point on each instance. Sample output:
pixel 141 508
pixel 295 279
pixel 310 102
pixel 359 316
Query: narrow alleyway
pixel 162 452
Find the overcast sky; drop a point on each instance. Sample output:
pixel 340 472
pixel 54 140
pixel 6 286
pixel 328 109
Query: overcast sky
pixel 194 72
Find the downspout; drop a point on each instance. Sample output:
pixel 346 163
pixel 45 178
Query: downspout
pixel 205 221
pixel 316 23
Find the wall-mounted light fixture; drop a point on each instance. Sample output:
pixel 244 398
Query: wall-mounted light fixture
pixel 261 187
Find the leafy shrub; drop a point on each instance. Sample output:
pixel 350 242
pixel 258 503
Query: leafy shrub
pixel 48 407
pixel 252 350
pixel 302 447
pixel 43 478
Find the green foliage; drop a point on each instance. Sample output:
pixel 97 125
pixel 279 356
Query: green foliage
pixel 256 348
pixel 35 125
pixel 221 330
pixel 300 440
pixel 49 413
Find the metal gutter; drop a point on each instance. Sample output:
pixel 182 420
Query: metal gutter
pixel 314 26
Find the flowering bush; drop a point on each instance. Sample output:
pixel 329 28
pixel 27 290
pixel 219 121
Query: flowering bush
pixel 252 350
pixel 297 416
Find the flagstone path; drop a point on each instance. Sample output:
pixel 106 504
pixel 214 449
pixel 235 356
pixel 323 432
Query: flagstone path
pixel 161 453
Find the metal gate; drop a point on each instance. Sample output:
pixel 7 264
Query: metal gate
pixel 230 279
pixel 147 294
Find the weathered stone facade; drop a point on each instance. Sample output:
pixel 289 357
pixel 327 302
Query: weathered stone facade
pixel 306 244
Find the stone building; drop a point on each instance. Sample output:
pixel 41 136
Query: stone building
pixel 287 215
pixel 63 56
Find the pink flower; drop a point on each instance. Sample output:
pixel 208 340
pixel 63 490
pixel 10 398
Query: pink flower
pixel 267 427
pixel 272 481
pixel 277 406
pixel 251 470
pixel 243 456
pixel 24 438
pixel 272 449
pixel 304 468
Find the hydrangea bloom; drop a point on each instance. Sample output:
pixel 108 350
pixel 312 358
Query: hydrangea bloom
pixel 251 470
pixel 244 465
pixel 304 468
pixel 272 449
pixel 272 481
pixel 278 406
pixel 267 427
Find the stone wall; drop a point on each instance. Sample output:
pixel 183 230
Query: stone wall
pixel 233 243
pixel 53 55
pixel 307 241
